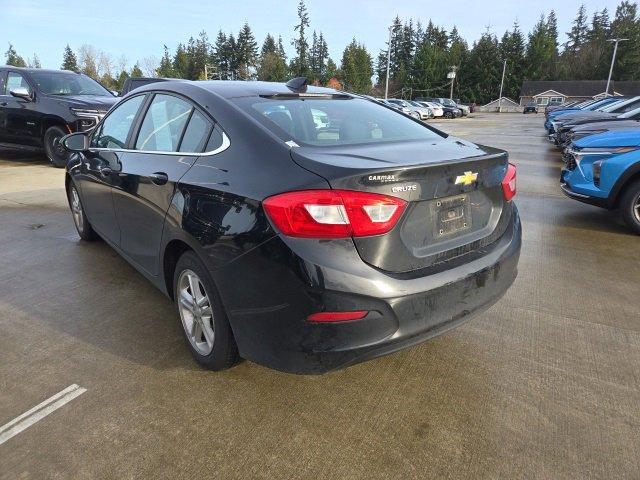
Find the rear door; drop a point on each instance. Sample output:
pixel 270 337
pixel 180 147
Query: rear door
pixel 169 138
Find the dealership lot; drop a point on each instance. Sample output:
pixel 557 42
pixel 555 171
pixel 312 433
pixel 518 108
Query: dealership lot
pixel 543 385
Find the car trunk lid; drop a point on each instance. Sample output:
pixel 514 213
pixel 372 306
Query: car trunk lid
pixel 453 189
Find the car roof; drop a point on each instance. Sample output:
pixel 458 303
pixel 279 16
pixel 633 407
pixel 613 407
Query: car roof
pixel 234 89
pixel 35 70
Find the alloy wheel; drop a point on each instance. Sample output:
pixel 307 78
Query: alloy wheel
pixel 636 208
pixel 196 312
pixel 76 209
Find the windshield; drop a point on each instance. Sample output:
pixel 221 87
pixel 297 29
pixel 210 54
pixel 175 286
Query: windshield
pixel 68 84
pixel 448 102
pixel 331 122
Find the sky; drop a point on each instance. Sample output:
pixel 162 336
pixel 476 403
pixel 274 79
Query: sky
pixel 138 29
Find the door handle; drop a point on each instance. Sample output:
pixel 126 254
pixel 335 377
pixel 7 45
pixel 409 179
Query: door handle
pixel 105 171
pixel 159 178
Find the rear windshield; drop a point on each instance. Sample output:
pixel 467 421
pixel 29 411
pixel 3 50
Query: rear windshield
pixel 329 122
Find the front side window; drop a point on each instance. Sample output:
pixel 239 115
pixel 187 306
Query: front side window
pixel 15 80
pixel 114 130
pixel 163 124
pixel 329 122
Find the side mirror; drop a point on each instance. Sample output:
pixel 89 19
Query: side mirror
pixel 21 92
pixel 75 142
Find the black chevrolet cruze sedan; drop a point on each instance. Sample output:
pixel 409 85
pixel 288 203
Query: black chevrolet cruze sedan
pixel 305 229
pixel 38 107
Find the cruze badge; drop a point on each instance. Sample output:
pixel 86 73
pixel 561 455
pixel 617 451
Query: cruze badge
pixel 467 179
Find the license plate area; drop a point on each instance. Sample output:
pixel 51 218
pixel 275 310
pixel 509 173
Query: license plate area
pixel 452 216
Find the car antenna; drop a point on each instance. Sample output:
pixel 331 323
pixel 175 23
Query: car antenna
pixel 298 84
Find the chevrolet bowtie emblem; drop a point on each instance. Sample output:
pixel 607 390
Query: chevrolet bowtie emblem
pixel 467 179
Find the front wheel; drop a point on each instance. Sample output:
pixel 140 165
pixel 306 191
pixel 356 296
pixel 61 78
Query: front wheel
pixel 204 322
pixel 448 115
pixel 630 206
pixel 56 153
pixel 84 228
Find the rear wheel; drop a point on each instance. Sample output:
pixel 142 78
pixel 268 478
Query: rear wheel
pixel 204 321
pixel 630 206
pixel 448 115
pixel 56 153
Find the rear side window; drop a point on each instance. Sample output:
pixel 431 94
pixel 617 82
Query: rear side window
pixel 163 124
pixel 196 134
pixel 15 80
pixel 329 122
pixel 115 128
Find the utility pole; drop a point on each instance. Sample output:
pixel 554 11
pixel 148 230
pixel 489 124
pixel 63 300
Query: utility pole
pixel 504 69
pixel 386 85
pixel 613 60
pixel 452 76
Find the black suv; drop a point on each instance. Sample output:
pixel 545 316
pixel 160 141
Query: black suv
pixel 38 107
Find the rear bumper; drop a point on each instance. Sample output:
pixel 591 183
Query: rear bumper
pixel 402 311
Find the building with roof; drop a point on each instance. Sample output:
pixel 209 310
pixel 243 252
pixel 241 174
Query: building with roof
pixel 544 92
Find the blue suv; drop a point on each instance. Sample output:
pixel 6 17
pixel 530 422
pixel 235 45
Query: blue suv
pixel 604 170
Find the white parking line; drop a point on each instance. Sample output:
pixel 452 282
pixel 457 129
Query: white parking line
pixel 40 411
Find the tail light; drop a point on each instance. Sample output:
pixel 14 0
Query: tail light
pixel 509 182
pixel 333 213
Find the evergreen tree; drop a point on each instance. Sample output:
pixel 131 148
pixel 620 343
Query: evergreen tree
pixel 332 70
pixel 485 70
pixel 512 49
pixel 578 34
pixel 247 53
pixel 180 62
pixel 136 71
pixel 221 56
pixel 626 24
pixel 300 63
pixel 273 63
pixel 69 60
pixel 356 68
pixel 35 63
pixel 538 55
pixel 166 65
pixel 12 58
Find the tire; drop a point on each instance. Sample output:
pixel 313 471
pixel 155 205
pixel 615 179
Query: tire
pixel 84 228
pixel 448 115
pixel 204 322
pixel 630 206
pixel 55 152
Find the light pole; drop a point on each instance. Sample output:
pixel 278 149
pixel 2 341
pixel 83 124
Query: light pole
pixel 613 60
pixel 386 84
pixel 452 76
pixel 504 69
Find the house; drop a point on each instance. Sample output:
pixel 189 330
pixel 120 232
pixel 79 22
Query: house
pixel 544 92
pixel 506 105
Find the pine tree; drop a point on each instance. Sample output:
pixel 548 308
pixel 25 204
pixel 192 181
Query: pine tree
pixel 578 34
pixel 537 56
pixel 268 46
pixel 512 49
pixel 626 24
pixel 136 71
pixel 300 64
pixel 69 60
pixel 166 65
pixel 180 62
pixel 35 63
pixel 247 52
pixel 356 68
pixel 13 59
pixel 220 56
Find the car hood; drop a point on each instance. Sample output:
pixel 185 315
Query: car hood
pixel 611 124
pixel 89 102
pixel 580 116
pixel 616 138
pixel 557 113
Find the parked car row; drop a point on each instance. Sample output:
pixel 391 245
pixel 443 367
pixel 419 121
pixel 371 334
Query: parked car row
pixel 427 108
pixel 600 144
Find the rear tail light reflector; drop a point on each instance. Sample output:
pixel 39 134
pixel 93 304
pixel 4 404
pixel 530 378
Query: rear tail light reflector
pixel 336 316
